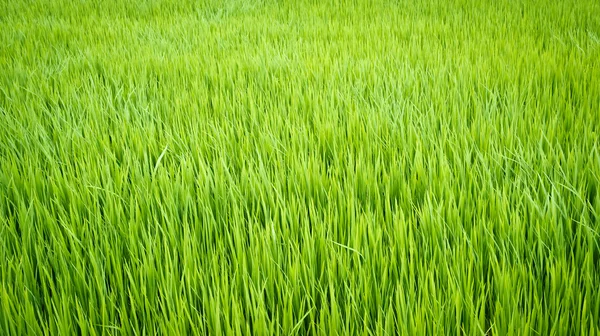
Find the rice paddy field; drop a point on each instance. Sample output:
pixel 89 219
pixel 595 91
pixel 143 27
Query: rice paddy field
pixel 299 167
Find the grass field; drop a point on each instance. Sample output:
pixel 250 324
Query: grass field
pixel 299 167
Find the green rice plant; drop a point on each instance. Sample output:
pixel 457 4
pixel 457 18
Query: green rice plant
pixel 309 167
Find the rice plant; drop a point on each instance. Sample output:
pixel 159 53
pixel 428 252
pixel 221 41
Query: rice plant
pixel 262 167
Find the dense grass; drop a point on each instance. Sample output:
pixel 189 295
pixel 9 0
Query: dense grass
pixel 306 167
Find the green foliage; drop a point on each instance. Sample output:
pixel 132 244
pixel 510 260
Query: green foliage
pixel 307 167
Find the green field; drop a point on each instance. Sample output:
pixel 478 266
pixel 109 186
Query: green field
pixel 300 167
